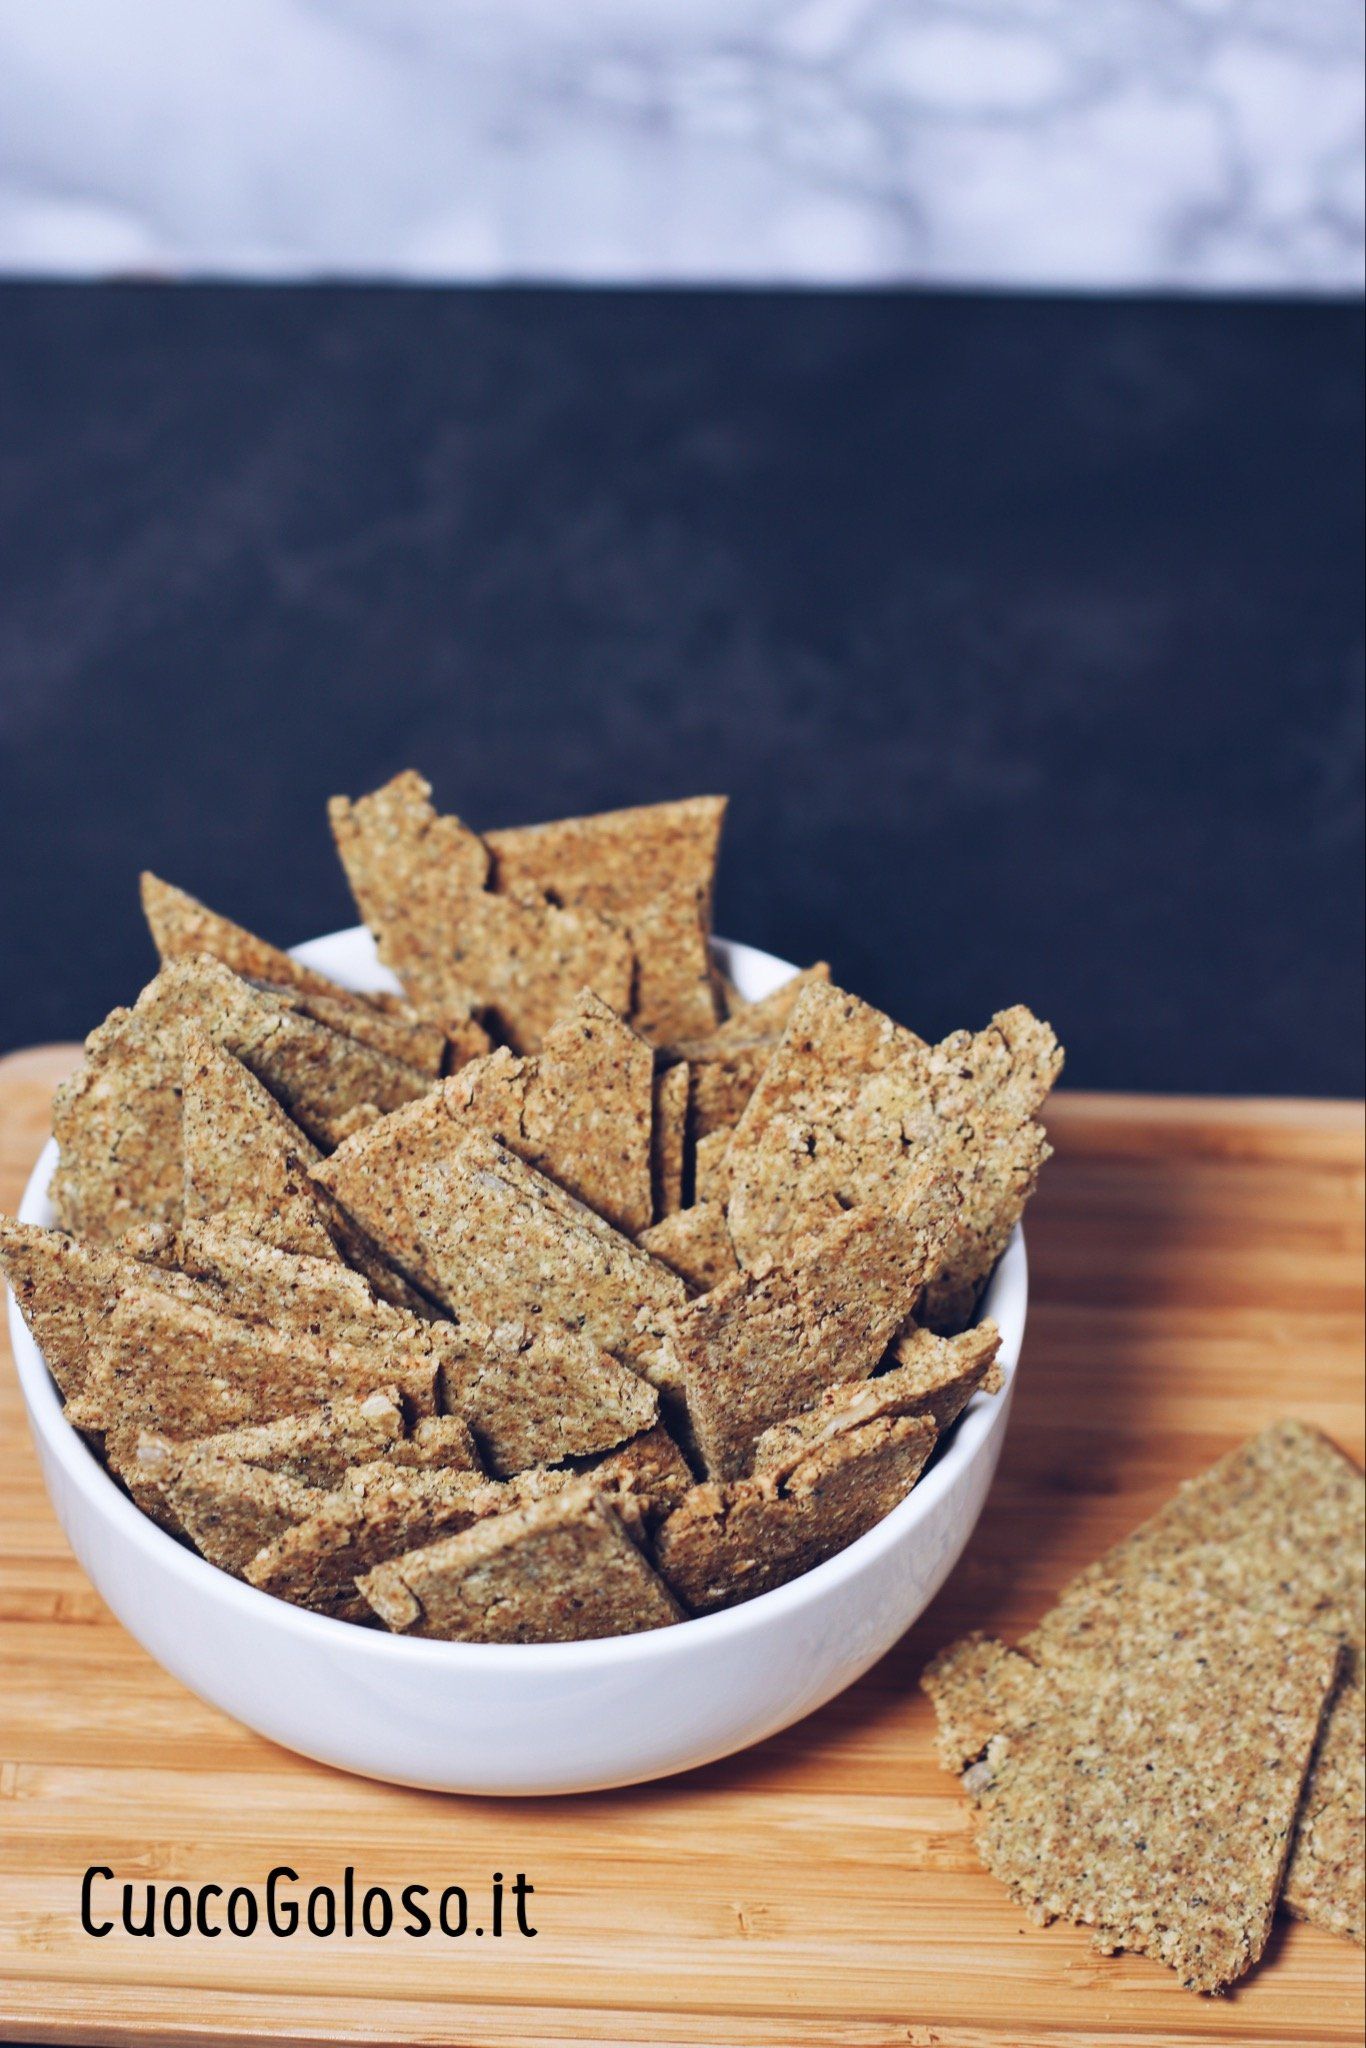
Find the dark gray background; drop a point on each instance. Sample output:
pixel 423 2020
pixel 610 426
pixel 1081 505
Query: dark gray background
pixel 1026 636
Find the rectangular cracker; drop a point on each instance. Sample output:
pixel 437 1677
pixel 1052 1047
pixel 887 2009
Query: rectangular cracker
pixel 315 1447
pixel 695 1244
pixel 560 1570
pixel 181 926
pixel 668 1142
pixel 763 1346
pixel 243 1160
pixel 652 869
pixel 729 1541
pixel 381 1512
pixel 117 1121
pixel 66 1291
pixel 1155 1801
pixel 493 1239
pixel 1277 1527
pixel 420 881
pixel 938 1378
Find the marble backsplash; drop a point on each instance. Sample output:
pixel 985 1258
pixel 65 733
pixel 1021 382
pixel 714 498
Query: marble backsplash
pixel 1073 144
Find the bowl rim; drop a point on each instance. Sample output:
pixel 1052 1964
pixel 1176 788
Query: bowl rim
pixel 85 1473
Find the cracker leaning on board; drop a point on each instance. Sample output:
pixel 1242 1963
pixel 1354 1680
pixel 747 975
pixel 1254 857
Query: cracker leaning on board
pixel 568 1295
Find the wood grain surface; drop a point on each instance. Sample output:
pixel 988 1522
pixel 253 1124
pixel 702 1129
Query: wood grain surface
pixel 1197 1271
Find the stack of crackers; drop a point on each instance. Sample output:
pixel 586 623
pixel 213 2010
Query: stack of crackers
pixel 564 1295
pixel 1179 1743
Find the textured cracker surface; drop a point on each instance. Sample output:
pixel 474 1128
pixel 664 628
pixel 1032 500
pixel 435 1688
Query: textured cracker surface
pixel 1155 1801
pixel 420 882
pixel 1276 1527
pixel 244 1161
pixel 668 1143
pixel 695 1244
pixel 181 926
pixel 496 1241
pixel 728 1541
pixel 561 1570
pixel 763 1346
pixel 938 1379
pixel 850 1104
pixel 651 868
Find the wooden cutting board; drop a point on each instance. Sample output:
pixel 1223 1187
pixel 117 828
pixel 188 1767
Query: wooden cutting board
pixel 1197 1271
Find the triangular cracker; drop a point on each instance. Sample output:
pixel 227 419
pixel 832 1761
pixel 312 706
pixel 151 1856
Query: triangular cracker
pixel 695 1244
pixel 493 1239
pixel 187 1370
pixel 561 1570
pixel 762 1346
pixel 420 883
pixel 117 1121
pixel 66 1291
pixel 244 1161
pixel 380 1513
pixel 728 1542
pixel 181 926
pixel 579 1111
pixel 1154 1801
pixel 938 1377
pixel 726 1066
pixel 651 869
pixel 850 1104
pixel 230 1510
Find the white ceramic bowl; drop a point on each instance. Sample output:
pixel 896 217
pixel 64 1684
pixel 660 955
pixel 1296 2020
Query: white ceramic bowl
pixel 539 1718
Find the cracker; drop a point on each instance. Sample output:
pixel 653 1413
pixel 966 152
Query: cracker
pixel 726 1066
pixel 534 1392
pixel 763 1346
pixel 668 1142
pixel 493 1239
pixel 650 1466
pixel 66 1291
pixel 850 1104
pixel 1155 1801
pixel 780 1157
pixel 315 1446
pixel 729 1541
pixel 751 1023
pixel 651 868
pixel 560 1570
pixel 244 1161
pixel 231 1510
pixel 1275 1528
pixel 711 1168
pixel 420 882
pixel 187 1370
pixel 181 926
pixel 580 1111
pixel 938 1377
pixel 380 1513
pixel 695 1244
pixel 117 1121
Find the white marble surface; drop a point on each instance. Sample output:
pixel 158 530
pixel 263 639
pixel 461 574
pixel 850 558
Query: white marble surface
pixel 1188 144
